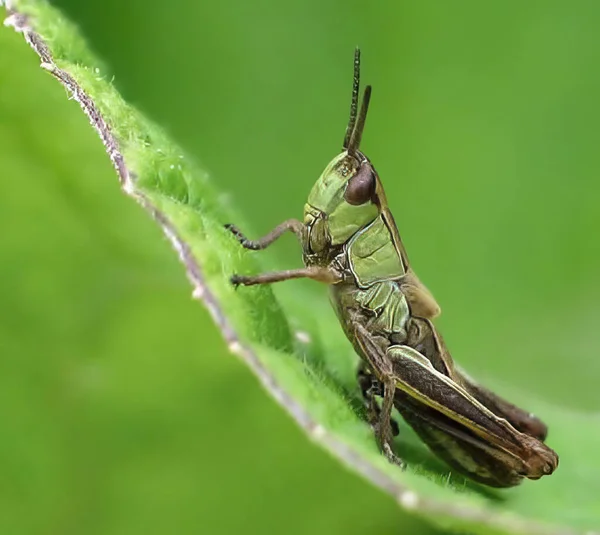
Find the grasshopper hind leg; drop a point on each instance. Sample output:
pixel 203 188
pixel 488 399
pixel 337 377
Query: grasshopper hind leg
pixel 520 419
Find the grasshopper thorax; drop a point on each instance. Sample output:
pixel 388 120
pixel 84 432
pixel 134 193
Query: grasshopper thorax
pixel 345 197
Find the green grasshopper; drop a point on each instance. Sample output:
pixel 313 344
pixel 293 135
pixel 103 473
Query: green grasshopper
pixel 350 242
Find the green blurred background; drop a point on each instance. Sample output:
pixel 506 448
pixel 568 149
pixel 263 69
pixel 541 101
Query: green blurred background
pixel 483 127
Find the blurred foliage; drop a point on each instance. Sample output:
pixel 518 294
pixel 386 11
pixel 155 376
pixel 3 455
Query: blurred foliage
pixel 490 112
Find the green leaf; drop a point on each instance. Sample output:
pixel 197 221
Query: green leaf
pixel 305 363
pixel 122 411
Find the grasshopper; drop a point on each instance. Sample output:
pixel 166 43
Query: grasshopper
pixel 351 243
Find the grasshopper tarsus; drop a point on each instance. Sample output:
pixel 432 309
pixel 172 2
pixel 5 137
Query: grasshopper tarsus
pixel 245 242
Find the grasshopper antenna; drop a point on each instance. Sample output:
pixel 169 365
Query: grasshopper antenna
pixel 354 103
pixel 357 131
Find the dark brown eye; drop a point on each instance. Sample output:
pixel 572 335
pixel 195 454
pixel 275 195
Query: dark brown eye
pixel 361 186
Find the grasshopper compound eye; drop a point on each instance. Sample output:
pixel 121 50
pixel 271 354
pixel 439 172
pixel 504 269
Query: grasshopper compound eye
pixel 361 187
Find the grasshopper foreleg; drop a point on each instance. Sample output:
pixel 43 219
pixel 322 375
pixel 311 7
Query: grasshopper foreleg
pixel 291 225
pixel 318 273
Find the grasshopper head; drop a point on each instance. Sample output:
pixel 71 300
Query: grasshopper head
pixel 344 199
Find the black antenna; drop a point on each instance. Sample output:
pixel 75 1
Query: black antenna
pixel 356 135
pixel 354 104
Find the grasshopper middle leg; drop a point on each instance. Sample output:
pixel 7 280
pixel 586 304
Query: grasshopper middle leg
pixel 371 388
pixel 375 356
pixel 320 274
